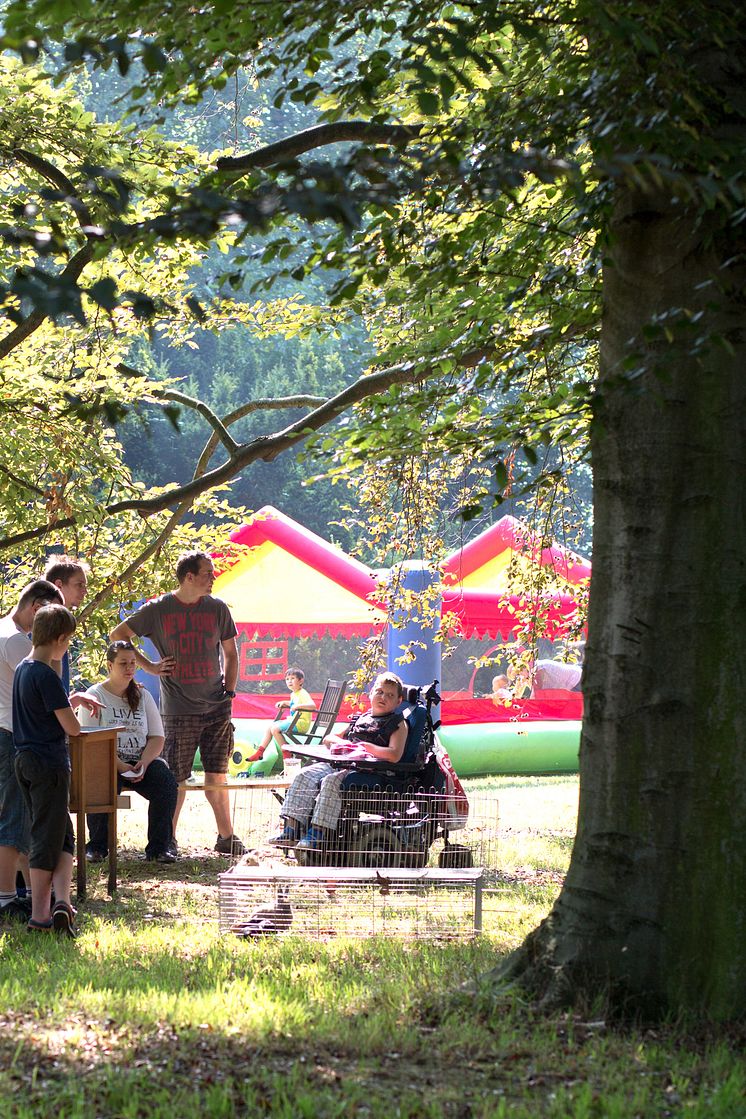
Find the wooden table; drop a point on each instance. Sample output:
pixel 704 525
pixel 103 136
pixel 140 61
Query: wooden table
pixel 93 788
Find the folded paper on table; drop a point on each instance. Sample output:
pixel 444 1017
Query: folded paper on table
pixel 355 751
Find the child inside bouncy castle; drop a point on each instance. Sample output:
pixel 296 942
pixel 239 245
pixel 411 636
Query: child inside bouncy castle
pixel 269 753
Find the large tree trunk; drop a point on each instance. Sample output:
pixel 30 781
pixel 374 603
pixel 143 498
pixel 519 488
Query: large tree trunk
pixel 653 911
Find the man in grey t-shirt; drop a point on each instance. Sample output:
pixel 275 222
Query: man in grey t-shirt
pixel 195 636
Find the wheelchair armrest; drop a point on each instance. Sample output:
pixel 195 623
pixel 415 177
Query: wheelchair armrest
pixel 400 769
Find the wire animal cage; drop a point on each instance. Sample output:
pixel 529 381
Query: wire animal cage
pixel 358 902
pixel 403 863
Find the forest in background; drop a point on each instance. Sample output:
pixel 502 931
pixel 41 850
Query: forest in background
pixel 222 366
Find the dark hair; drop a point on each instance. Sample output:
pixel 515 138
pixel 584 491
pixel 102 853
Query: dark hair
pixel 132 692
pixel 63 568
pixel 296 672
pixel 391 678
pixel 41 590
pixel 188 564
pixel 50 623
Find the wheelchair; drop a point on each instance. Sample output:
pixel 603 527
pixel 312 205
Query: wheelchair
pixel 391 816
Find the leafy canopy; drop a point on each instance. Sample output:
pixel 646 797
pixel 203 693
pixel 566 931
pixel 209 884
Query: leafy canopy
pixel 463 213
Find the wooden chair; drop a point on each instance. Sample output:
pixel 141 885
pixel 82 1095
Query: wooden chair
pixel 327 714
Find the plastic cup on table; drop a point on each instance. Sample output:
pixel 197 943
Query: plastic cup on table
pixel 291 767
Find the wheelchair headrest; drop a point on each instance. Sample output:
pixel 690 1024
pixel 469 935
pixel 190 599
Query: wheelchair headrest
pixel 421 693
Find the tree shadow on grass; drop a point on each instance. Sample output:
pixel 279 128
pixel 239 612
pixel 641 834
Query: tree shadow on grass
pixel 146 889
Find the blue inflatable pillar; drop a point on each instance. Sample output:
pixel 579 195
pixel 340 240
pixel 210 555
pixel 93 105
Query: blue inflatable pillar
pixel 409 631
pixel 150 682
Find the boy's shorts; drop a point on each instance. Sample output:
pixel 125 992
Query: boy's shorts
pixel 15 824
pixel 302 726
pixel 211 734
pixel 47 794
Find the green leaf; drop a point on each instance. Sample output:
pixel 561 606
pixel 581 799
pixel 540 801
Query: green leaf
pixel 104 292
pixel 428 102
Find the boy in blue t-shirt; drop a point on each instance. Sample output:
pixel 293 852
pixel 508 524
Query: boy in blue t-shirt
pixel 42 716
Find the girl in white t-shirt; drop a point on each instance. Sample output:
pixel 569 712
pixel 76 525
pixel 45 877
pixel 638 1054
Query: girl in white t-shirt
pixel 139 746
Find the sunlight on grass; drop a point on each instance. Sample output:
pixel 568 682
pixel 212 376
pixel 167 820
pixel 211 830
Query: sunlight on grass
pixel 151 1012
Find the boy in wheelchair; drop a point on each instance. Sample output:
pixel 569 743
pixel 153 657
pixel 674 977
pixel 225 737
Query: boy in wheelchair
pixel 313 803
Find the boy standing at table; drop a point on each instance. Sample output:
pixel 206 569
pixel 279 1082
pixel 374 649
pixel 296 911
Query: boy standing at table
pixel 42 716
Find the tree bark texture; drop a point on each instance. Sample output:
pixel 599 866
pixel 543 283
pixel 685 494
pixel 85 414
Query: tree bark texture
pixel 652 915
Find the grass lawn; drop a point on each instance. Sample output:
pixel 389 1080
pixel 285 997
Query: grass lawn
pixel 152 1013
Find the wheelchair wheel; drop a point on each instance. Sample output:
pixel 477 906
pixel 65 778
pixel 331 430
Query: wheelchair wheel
pixel 415 860
pixel 376 846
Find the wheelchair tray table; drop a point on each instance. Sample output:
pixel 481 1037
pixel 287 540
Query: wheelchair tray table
pixel 344 761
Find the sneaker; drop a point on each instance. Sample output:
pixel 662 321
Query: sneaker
pixel 19 909
pixel 63 919
pixel 94 856
pixel 288 837
pixel 167 856
pixel 313 840
pixel 173 848
pixel 230 845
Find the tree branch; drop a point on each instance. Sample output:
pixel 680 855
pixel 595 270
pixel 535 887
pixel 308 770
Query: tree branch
pixel 204 410
pixel 167 529
pixel 181 510
pixel 221 434
pixel 36 533
pixel 20 481
pixel 265 448
pixel 33 321
pixel 274 403
pixel 75 265
pixel 364 131
pixel 277 402
pixel 59 179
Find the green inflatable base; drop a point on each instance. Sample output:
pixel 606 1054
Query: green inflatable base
pixel 526 747
pixel 540 746
pixel 269 764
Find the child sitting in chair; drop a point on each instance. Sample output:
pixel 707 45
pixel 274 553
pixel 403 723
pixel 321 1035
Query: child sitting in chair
pixel 313 803
pixel 299 700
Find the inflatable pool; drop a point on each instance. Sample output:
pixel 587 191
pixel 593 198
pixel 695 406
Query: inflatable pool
pixel 535 746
